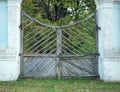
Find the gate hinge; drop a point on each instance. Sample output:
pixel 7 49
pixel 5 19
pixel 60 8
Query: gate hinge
pixel 20 54
pixel 20 26
pixel 98 28
pixel 98 54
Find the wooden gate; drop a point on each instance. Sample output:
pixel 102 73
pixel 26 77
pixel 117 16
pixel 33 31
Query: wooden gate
pixel 59 51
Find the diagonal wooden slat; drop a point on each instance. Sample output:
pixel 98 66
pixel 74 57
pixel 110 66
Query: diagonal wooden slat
pixel 50 43
pixel 69 51
pixel 39 32
pixel 82 39
pixel 28 25
pixel 31 32
pixel 45 37
pixel 73 44
pixel 67 45
pixel 86 38
pixel 53 47
pixel 42 43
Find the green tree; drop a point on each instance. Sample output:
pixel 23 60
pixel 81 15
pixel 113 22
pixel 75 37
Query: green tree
pixel 57 10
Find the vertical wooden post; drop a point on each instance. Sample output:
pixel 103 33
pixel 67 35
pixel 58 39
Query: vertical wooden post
pixel 59 47
pixel 21 44
pixel 97 43
pixel 97 28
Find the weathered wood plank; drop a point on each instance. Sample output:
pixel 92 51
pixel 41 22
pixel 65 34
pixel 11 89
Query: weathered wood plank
pixel 59 50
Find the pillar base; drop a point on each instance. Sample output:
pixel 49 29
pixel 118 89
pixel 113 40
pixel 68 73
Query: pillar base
pixel 112 66
pixel 9 67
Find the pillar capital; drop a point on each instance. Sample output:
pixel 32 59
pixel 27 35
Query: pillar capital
pixel 105 1
pixel 16 0
pixel 14 3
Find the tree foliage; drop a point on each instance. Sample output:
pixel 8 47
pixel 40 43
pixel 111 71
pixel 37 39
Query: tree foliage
pixel 57 11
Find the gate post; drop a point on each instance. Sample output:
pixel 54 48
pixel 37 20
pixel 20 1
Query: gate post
pixel 59 50
pixel 10 42
pixel 108 12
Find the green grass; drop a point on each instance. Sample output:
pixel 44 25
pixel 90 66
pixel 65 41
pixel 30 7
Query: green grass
pixel 55 85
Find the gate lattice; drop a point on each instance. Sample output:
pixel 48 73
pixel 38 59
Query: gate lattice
pixel 59 51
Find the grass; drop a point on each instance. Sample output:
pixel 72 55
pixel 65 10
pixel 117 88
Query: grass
pixel 55 85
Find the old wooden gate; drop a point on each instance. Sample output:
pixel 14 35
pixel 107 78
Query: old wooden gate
pixel 59 51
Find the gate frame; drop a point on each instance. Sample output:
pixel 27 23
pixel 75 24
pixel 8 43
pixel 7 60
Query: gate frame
pixel 59 40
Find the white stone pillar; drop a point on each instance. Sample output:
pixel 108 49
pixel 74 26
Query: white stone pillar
pixel 109 59
pixel 9 56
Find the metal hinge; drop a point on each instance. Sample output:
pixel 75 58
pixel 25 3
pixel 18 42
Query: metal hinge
pixel 98 54
pixel 20 54
pixel 98 28
pixel 20 26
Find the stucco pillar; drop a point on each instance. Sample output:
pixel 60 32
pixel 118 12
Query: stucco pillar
pixel 108 12
pixel 9 55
